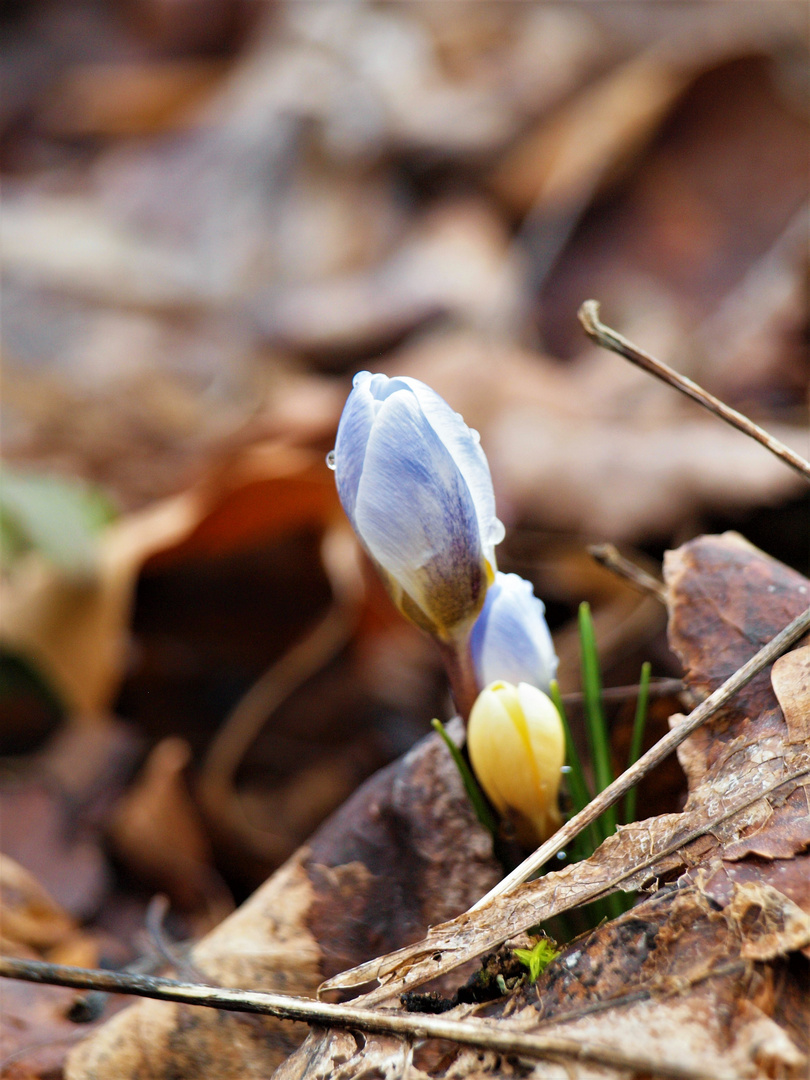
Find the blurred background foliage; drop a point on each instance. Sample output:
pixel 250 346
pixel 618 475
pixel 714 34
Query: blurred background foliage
pixel 214 213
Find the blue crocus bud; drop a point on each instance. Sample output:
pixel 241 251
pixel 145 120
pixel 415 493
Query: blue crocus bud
pixel 510 640
pixel 415 485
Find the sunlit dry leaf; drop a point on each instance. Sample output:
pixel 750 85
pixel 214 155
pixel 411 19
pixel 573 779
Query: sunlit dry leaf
pixel 28 915
pixel 78 631
pixel 791 683
pixel 771 925
pixel 103 99
pixel 454 262
pixel 748 798
pixel 158 834
pixel 567 157
pixel 405 851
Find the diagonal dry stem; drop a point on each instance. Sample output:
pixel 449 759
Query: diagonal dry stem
pixel 766 655
pixel 611 339
pixel 607 555
pixel 487 1035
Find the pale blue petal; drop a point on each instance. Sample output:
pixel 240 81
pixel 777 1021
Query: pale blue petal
pixel 413 510
pixel 465 449
pixel 352 438
pixel 510 640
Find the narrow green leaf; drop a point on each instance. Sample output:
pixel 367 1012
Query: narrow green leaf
pixel 638 736
pixel 594 714
pixel 476 796
pixel 575 781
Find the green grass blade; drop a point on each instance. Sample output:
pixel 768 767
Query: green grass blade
pixel 575 782
pixel 638 736
pixel 594 714
pixel 476 796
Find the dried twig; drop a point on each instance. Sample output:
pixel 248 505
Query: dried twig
pixel 607 555
pixel 658 688
pixel 610 339
pixel 467 937
pixel 611 794
pixel 487 1035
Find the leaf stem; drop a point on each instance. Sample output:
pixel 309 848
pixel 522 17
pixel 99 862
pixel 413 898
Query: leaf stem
pixel 471 786
pixel 458 662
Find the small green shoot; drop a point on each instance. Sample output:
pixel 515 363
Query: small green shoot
pixel 594 713
pixel 476 796
pixel 538 957
pixel 638 735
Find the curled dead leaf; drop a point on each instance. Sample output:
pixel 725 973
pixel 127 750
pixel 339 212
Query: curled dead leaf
pixel 769 922
pixel 790 679
pixel 157 831
pixel 404 852
pixel 28 915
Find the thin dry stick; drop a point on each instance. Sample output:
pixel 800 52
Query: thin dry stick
pixel 479 1033
pixel 611 794
pixel 607 555
pixel 611 339
pixel 657 688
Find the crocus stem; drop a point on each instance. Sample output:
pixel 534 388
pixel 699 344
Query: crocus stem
pixel 458 663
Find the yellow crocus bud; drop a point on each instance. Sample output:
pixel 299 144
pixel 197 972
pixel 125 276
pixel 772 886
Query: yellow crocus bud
pixel 516 745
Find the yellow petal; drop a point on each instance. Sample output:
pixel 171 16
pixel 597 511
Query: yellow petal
pixel 517 749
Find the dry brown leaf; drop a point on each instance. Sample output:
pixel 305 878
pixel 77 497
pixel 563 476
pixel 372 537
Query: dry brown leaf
pixel 34 1028
pixel 28 915
pixel 669 977
pixel 791 684
pixel 454 262
pixel 403 852
pixel 566 158
pixel 770 924
pixel 157 832
pixel 591 137
pixel 124 99
pixel 78 633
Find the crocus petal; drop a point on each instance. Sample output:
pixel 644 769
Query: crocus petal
pixel 464 445
pixel 415 515
pixel 352 439
pixel 416 486
pixel 517 747
pixel 511 640
pixel 490 741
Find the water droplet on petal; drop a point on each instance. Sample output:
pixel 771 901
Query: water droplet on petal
pixel 565 769
pixel 562 855
pixel 498 532
pixel 330 460
pixel 475 435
